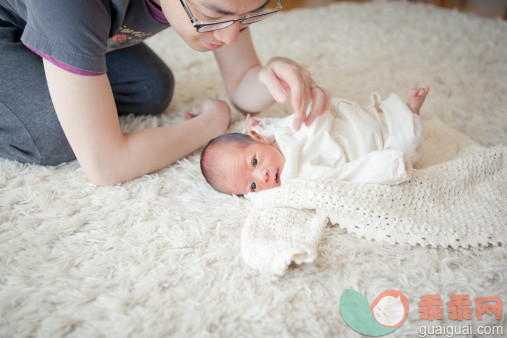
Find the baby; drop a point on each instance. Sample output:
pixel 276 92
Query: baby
pixel 373 145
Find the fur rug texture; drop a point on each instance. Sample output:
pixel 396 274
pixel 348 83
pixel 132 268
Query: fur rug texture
pixel 160 255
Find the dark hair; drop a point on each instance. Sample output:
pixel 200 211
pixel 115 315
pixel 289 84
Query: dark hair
pixel 209 155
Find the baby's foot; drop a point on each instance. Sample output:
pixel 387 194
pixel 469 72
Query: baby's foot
pixel 416 98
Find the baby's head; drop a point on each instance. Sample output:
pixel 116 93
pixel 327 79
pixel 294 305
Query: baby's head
pixel 238 164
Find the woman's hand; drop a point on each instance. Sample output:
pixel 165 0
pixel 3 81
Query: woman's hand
pixel 216 111
pixel 281 76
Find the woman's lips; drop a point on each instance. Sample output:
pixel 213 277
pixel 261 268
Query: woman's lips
pixel 211 45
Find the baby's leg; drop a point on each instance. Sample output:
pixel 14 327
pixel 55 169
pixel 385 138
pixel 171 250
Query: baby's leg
pixel 416 98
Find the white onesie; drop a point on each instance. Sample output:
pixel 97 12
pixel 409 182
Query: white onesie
pixel 349 143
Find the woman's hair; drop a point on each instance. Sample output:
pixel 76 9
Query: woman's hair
pixel 211 166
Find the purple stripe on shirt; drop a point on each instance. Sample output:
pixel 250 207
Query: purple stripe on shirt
pixel 63 65
pixel 155 12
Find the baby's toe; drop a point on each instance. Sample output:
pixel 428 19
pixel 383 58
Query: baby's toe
pixel 413 91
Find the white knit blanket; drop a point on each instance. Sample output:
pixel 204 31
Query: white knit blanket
pixel 455 197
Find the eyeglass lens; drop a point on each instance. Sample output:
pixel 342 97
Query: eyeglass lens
pixel 267 11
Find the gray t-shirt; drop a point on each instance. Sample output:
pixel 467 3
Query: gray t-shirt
pixel 79 33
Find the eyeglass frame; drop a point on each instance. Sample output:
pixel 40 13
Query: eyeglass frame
pixel 199 24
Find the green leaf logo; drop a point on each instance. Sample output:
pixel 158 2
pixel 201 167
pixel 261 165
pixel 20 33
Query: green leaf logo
pixel 387 312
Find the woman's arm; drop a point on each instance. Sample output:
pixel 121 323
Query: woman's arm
pixel 252 87
pixel 239 66
pixel 86 110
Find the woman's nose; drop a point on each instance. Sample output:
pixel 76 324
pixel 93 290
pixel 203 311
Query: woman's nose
pixel 228 35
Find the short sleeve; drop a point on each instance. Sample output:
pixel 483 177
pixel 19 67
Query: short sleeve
pixel 74 33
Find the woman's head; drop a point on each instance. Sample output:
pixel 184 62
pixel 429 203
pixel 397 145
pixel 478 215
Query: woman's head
pixel 179 14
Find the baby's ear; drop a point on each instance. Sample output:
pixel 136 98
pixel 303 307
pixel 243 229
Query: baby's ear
pixel 258 137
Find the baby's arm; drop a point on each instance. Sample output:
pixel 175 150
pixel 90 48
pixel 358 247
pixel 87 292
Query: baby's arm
pixel 266 127
pixel 388 166
pixel 250 123
pixel 380 166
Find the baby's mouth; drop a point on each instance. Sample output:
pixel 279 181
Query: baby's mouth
pixel 276 176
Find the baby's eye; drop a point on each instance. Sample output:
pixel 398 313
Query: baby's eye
pixel 253 186
pixel 254 162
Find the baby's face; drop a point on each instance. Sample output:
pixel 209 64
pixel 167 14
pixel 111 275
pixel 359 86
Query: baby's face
pixel 254 168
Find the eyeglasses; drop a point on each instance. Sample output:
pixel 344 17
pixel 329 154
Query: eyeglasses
pixel 269 9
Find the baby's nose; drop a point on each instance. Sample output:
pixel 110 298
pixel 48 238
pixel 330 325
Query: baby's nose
pixel 266 176
pixel 263 175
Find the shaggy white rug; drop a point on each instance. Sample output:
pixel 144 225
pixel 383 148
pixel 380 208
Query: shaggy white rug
pixel 160 255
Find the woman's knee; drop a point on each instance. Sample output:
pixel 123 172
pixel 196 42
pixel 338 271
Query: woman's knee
pixel 39 142
pixel 142 83
pixel 159 93
pixel 51 152
pixel 55 148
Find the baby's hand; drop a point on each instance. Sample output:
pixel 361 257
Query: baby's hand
pixel 250 123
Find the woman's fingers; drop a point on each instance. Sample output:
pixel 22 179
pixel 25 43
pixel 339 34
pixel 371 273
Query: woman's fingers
pixel 320 103
pixel 281 75
pixel 302 98
pixel 275 87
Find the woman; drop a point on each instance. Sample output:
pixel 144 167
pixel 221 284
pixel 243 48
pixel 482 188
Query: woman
pixel 69 67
